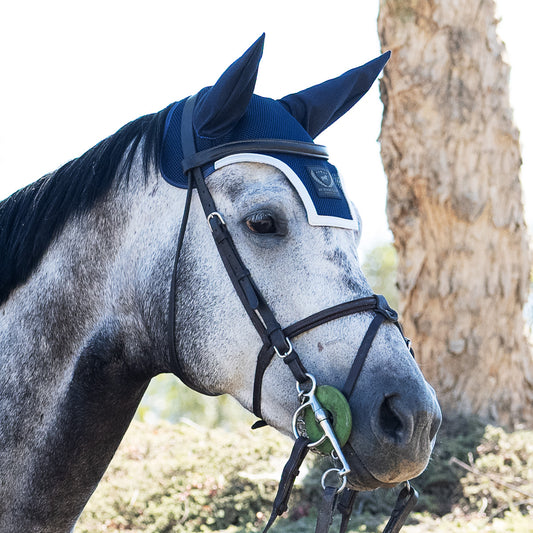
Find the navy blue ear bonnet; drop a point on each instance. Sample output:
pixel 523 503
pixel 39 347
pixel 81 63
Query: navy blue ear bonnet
pixel 264 119
pixel 229 111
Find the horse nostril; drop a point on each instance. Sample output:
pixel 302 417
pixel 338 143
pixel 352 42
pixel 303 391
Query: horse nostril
pixel 390 422
pixel 435 424
pixel 400 420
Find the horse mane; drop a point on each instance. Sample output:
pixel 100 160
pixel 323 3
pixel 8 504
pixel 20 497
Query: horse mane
pixel 33 216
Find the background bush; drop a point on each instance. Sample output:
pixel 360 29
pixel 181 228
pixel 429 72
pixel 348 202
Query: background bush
pixel 183 478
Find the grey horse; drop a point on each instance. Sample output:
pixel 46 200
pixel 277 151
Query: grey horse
pixel 87 256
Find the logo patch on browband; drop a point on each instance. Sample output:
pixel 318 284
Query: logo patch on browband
pixel 324 183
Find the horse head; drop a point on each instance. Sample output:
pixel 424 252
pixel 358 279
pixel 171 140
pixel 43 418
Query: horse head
pixel 294 230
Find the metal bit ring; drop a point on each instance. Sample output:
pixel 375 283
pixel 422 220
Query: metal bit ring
pixel 340 475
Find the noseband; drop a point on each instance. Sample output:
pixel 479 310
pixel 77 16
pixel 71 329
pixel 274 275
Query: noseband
pixel 277 340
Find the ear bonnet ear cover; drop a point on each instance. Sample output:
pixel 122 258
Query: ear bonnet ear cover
pixel 229 111
pixel 319 106
pixel 220 108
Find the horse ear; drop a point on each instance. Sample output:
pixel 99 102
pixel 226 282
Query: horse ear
pixel 319 106
pixel 224 104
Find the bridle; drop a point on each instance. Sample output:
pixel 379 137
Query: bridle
pixel 277 340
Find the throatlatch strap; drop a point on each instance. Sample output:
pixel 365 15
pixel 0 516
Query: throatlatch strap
pixel 171 327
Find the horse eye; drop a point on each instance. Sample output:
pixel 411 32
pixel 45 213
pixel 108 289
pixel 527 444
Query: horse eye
pixel 261 223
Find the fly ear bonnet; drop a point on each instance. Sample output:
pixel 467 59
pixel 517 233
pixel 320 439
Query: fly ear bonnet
pixel 229 112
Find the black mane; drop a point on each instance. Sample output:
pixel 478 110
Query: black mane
pixel 31 217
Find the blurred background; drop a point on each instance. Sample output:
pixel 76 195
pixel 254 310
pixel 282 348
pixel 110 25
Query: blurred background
pixel 73 73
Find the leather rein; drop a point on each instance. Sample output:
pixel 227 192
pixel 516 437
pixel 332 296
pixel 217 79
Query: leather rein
pixel 276 339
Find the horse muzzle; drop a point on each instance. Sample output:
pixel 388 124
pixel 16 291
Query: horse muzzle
pixel 395 442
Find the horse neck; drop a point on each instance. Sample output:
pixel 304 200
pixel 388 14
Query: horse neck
pixel 74 363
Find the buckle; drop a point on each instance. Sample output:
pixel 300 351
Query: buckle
pixel 288 352
pixel 383 308
pixel 215 214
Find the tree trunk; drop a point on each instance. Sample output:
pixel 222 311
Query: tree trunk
pixel 452 157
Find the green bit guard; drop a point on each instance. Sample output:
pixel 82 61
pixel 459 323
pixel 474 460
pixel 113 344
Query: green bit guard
pixel 334 402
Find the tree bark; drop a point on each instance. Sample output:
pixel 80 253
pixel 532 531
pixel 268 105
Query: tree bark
pixel 451 153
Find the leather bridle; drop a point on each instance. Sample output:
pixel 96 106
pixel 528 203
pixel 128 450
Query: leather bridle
pixel 276 339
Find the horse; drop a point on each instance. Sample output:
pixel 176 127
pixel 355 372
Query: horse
pixel 104 285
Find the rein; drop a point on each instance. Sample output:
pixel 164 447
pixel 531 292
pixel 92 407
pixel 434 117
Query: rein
pixel 323 420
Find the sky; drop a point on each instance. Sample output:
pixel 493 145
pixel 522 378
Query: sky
pixel 72 73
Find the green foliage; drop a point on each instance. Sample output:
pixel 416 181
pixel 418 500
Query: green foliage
pixel 380 267
pixel 182 478
pixel 495 490
pixel 501 477
pixel 510 522
pixel 440 485
pixel 169 399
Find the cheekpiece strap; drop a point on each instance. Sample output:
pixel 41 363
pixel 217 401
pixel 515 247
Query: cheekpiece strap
pixel 260 314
